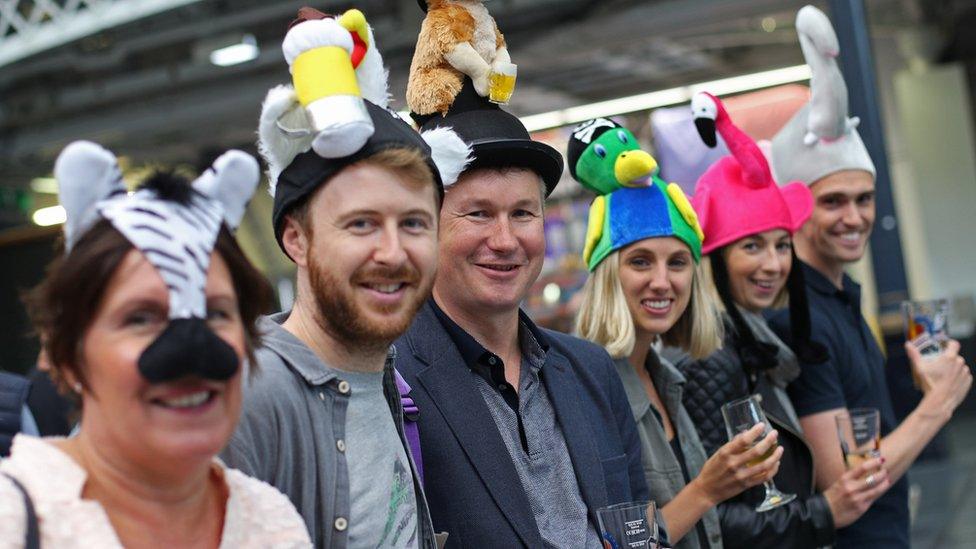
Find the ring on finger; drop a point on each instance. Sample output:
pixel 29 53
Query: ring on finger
pixel 869 480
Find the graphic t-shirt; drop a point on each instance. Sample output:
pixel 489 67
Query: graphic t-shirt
pixel 383 510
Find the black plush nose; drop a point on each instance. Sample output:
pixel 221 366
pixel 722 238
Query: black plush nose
pixel 188 347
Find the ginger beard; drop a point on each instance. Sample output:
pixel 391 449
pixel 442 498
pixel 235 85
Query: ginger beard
pixel 352 319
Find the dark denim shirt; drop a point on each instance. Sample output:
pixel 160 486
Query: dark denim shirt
pixel 292 434
pixel 852 377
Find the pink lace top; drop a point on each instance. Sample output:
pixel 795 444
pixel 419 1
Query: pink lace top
pixel 257 515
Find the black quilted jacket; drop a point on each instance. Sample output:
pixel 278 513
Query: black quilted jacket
pixel 806 522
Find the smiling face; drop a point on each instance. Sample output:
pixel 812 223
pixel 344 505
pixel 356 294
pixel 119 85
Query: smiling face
pixel 123 414
pixel 492 241
pixel 757 267
pixel 843 216
pixel 370 253
pixel 656 276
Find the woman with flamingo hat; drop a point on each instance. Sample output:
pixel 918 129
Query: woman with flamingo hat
pixel 748 222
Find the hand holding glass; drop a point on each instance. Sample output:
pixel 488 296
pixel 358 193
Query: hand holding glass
pixel 741 415
pixel 628 525
pixel 859 430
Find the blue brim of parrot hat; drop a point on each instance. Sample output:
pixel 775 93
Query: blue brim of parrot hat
pixel 632 214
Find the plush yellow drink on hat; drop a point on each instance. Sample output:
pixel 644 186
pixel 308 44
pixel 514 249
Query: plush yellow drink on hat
pixel 322 56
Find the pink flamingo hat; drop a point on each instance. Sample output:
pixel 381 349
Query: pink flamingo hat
pixel 737 196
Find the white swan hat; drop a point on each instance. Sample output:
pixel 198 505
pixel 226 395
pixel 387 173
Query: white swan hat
pixel 820 139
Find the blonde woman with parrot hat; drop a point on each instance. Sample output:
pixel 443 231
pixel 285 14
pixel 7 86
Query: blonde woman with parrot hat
pixel 643 249
pixel 748 223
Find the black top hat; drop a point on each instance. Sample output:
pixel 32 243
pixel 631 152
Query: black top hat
pixel 498 139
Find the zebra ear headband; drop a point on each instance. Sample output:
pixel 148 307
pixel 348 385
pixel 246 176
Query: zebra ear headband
pixel 175 226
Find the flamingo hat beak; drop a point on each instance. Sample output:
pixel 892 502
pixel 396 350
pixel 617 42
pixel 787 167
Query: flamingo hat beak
pixel 706 129
pixel 705 112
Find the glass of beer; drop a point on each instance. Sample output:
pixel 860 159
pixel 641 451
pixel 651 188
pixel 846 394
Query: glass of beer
pixel 926 325
pixel 628 525
pixel 501 82
pixel 740 416
pixel 859 430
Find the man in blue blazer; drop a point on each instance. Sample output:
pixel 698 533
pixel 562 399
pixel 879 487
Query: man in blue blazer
pixel 524 432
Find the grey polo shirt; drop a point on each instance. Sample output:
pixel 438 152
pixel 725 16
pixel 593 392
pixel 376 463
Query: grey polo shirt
pixel 292 434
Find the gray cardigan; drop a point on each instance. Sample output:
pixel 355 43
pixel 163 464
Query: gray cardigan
pixel 661 468
pixel 291 434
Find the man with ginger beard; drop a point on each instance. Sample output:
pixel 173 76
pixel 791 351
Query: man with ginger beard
pixel 322 419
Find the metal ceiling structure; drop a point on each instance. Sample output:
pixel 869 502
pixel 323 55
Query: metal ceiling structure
pixel 136 76
pixel 28 27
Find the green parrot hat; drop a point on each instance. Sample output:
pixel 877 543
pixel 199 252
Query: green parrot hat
pixel 633 202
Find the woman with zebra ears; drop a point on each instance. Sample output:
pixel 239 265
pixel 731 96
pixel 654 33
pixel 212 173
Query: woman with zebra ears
pixel 148 317
pixel 748 222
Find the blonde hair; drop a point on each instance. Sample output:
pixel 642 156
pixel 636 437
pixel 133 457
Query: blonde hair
pixel 605 319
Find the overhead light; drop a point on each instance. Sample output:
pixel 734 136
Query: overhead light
pixel 54 215
pixel 246 50
pixel 44 185
pixel 664 98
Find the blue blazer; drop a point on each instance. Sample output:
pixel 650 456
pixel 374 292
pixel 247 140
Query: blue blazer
pixel 472 487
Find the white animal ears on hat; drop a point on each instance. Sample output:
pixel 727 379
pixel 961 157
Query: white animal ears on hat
pixel 820 139
pixel 280 111
pixel 285 130
pixel 449 152
pixel 86 175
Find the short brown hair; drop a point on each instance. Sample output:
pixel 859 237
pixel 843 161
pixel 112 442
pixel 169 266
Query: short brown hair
pixel 410 164
pixel 62 306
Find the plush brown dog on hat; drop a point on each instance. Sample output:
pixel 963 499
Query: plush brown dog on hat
pixel 458 38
